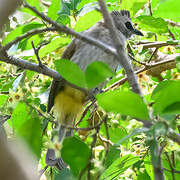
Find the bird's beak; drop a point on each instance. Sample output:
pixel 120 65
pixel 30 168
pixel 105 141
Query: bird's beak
pixel 137 32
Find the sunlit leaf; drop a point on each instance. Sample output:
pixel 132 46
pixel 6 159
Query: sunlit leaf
pixel 149 23
pixel 123 102
pixel 96 73
pixel 119 166
pixel 53 45
pixel 20 30
pixel 88 20
pixel 165 96
pixel 71 72
pixel 75 153
pixel 3 99
pixel 53 9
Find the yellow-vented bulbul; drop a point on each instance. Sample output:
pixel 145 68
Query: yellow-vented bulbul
pixel 67 100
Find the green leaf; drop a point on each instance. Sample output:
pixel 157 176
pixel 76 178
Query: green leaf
pixel 19 115
pixel 33 3
pixel 3 99
pixel 31 132
pixel 17 82
pixel 64 174
pixel 135 132
pixel 27 43
pixel 119 166
pixel 124 102
pixel 166 9
pixel 148 166
pixel 96 73
pixel 83 3
pixel 75 153
pixel 71 72
pixel 53 9
pixel 20 30
pixel 166 97
pixel 117 133
pixel 29 74
pixel 53 45
pixel 150 23
pixel 133 5
pixel 71 4
pixel 7 85
pixel 63 19
pixel 113 154
pixel 88 20
pixel 172 109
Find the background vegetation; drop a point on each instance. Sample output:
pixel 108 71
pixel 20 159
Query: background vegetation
pixel 119 136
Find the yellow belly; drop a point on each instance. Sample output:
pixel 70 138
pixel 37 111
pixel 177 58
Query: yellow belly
pixel 68 104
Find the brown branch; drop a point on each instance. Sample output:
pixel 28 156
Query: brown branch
pixel 150 8
pixel 36 51
pixel 141 63
pixel 147 67
pixel 171 34
pixel 30 66
pixel 175 171
pixel 154 52
pixel 46 3
pixel 41 172
pixel 85 112
pixel 157 44
pixel 172 23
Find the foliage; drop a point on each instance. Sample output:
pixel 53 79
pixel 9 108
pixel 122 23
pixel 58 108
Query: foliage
pixel 123 148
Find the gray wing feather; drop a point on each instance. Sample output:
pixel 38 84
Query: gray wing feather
pixel 58 85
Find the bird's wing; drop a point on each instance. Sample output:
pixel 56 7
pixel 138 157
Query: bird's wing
pixel 58 85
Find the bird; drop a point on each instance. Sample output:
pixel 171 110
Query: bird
pixel 68 101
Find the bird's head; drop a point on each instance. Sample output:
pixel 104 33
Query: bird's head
pixel 123 23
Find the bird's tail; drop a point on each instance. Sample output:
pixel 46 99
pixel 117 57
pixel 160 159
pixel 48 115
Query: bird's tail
pixel 68 104
pixel 51 159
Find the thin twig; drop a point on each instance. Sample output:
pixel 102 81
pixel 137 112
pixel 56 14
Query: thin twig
pixel 36 51
pixel 170 164
pixel 154 52
pixel 171 34
pixel 85 112
pixel 107 135
pixel 175 171
pixel 142 63
pixel 157 44
pixel 150 8
pixel 172 23
pixel 92 146
pixel 41 172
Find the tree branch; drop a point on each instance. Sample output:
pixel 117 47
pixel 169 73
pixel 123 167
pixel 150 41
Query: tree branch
pixel 67 30
pixel 122 56
pixel 147 67
pixel 147 45
pixel 30 66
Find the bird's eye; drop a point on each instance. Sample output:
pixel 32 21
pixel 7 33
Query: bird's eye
pixel 128 25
